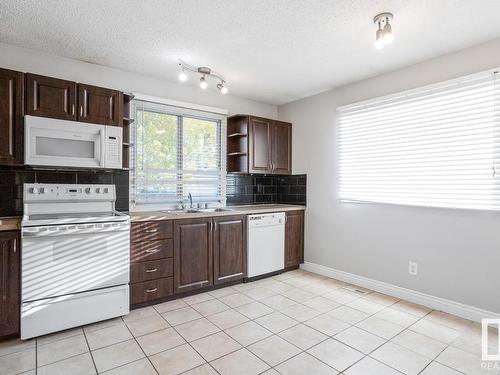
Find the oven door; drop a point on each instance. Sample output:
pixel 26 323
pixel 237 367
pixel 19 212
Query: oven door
pixel 62 143
pixel 64 259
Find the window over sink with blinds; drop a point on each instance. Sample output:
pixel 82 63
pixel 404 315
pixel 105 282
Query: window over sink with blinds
pixel 437 146
pixel 176 151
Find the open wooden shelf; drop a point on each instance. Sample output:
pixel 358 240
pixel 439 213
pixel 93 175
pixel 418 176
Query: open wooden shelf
pixel 237 154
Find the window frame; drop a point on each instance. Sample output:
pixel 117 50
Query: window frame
pixel 180 112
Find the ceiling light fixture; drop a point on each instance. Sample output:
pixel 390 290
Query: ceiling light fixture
pixel 384 35
pixel 205 72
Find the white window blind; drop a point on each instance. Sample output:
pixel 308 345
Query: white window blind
pixel 176 151
pixel 437 146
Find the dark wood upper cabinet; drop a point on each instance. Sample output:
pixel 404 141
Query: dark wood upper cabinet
pixel 9 283
pixel 230 248
pixel 50 97
pixel 282 148
pixel 99 105
pixel 258 145
pixel 294 239
pixel 193 254
pixel 11 117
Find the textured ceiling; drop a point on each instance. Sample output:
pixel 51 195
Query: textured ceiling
pixel 274 51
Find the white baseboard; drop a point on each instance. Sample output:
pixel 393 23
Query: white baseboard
pixel 437 303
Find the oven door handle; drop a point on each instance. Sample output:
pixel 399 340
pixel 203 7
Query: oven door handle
pixel 68 231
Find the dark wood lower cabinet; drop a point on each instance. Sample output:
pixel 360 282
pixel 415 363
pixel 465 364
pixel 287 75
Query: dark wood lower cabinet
pixel 230 248
pixel 294 239
pixel 151 290
pixel 9 283
pixel 151 261
pixel 193 254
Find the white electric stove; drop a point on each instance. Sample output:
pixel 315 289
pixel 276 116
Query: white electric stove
pixel 75 257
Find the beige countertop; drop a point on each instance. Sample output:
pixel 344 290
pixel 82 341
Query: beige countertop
pixel 10 223
pixel 235 210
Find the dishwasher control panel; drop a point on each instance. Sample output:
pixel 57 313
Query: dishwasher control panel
pixel 266 219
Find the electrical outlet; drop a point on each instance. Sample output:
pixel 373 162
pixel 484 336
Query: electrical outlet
pixel 413 268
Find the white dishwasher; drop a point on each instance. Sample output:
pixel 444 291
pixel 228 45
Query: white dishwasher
pixel 266 243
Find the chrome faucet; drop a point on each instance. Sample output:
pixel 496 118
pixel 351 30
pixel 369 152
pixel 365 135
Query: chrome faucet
pixel 190 197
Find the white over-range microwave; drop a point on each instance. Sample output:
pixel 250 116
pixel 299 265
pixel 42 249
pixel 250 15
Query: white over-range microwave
pixel 62 143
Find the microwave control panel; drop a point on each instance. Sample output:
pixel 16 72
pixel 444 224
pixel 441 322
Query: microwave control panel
pixel 113 147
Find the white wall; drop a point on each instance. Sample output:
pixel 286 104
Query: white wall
pixel 28 60
pixel 458 252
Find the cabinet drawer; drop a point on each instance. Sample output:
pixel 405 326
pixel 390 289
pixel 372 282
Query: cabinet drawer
pixel 151 290
pixel 151 230
pixel 151 250
pixel 154 269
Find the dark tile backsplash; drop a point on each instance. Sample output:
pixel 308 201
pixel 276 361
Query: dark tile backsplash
pixel 252 189
pixel 12 180
pixel 240 189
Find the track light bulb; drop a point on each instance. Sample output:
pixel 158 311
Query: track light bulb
pixel 388 35
pixel 223 89
pixel 379 40
pixel 203 83
pixel 183 76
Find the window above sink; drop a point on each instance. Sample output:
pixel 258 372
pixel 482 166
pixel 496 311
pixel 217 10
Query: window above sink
pixel 176 151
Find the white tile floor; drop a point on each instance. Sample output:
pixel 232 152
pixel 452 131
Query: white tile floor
pixel 294 323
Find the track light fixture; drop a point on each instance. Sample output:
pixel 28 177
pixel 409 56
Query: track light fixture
pixel 205 72
pixel 384 35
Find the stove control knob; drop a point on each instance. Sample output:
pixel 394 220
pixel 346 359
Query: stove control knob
pixel 98 190
pixel 34 190
pixel 42 190
pixel 106 190
pixel 88 190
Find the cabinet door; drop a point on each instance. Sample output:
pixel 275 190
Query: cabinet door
pixel 259 160
pixel 11 117
pixel 230 248
pixel 294 239
pixel 193 254
pixel 50 97
pixel 282 148
pixel 9 283
pixel 99 105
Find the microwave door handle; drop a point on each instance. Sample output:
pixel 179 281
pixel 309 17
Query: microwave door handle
pixel 102 162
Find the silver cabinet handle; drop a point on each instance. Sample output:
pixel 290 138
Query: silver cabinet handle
pixel 215 227
pixel 151 290
pixel 152 251
pixel 15 246
pixel 151 270
pixel 81 110
pixel 151 230
pixel 73 109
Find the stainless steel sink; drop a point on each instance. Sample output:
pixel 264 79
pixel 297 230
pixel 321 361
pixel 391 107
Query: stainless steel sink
pixel 196 210
pixel 178 212
pixel 218 209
